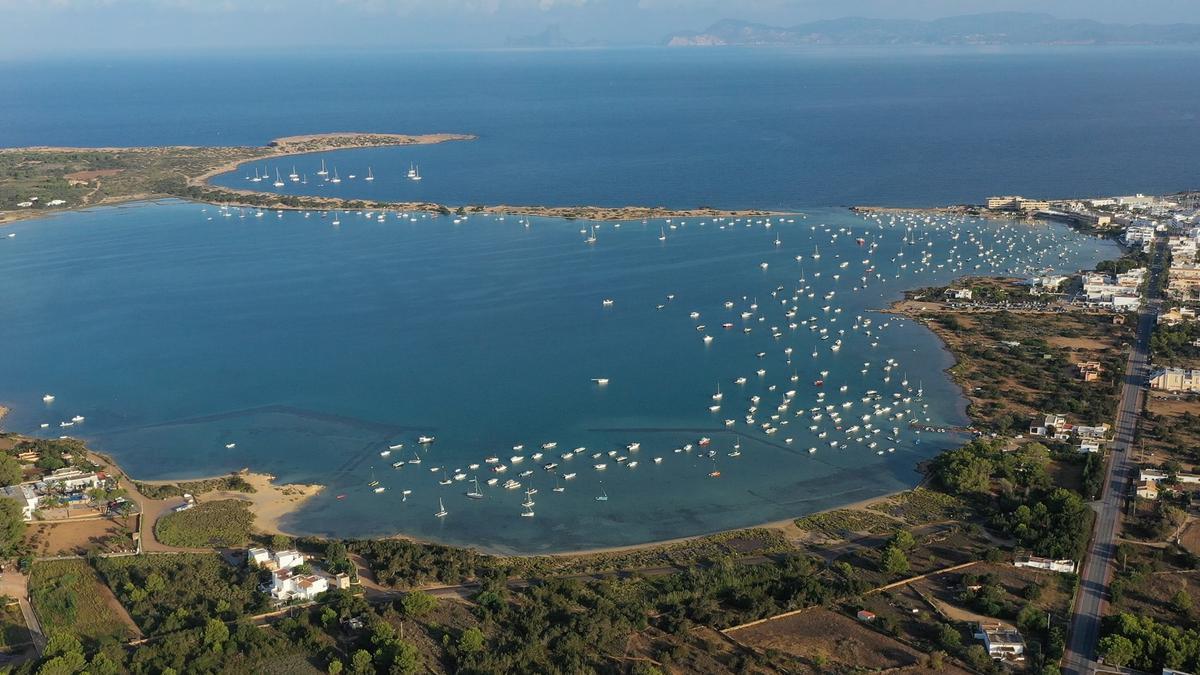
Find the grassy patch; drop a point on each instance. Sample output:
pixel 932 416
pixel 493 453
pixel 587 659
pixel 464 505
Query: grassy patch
pixel 921 506
pixel 12 626
pixel 842 521
pixel 231 483
pixel 68 597
pixel 171 592
pixel 221 523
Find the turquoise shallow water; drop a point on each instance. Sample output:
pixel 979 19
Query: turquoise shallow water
pixel 175 331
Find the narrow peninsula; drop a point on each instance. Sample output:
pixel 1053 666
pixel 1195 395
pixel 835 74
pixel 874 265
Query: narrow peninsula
pixel 42 180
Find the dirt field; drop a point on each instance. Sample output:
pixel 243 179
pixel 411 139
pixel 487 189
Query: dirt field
pixel 1167 433
pixel 76 537
pixel 1190 537
pixel 827 641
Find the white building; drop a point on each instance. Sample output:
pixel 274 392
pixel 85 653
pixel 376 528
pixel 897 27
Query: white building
pixel 1002 641
pixel 25 496
pixel 1141 236
pixel 1100 432
pixel 1067 566
pixel 257 556
pixel 279 560
pixel 1158 475
pixel 71 479
pixel 1175 379
pixel 286 585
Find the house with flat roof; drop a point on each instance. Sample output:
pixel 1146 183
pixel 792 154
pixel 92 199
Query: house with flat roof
pixel 1066 566
pixel 25 496
pixel 1175 379
pixel 1001 641
pixel 287 585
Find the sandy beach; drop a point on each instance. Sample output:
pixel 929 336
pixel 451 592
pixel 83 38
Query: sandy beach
pixel 270 501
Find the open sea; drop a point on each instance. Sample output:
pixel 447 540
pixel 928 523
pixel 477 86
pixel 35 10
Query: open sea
pixel 176 329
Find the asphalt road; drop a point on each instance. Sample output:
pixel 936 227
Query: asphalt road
pixel 1091 601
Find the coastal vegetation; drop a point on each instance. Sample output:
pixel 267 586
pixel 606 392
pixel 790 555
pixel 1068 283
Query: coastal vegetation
pixel 1017 494
pixel 231 483
pixel 167 593
pixel 225 522
pixel 1015 365
pixel 71 599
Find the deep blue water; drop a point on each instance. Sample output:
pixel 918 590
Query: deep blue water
pixel 728 127
pixel 175 330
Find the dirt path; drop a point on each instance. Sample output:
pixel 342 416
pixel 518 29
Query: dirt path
pixel 16 585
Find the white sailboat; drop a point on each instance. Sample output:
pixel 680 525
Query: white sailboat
pixel 412 170
pixel 335 178
pixel 603 495
pixel 441 513
pixel 475 493
pixel 370 176
pixel 323 171
pixel 416 173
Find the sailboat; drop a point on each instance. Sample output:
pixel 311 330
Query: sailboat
pixel 441 513
pixel 335 178
pixel 662 234
pixel 475 493
pixel 591 235
pixel 416 173
pixel 557 486
pixel 528 512
pixel 528 499
pixel 257 178
pixel 412 170
pixel 445 479
pixel 323 171
pixel 603 495
pixel 295 177
pixel 370 176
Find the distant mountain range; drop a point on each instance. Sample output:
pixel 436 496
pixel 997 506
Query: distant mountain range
pixel 999 28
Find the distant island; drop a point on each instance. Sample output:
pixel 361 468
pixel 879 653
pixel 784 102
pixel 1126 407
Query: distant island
pixel 997 28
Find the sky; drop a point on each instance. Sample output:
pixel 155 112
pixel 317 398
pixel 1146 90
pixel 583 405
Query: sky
pixel 71 26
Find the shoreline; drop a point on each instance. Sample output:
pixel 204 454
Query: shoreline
pixel 185 172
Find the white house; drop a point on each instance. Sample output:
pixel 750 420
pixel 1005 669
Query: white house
pixel 1067 566
pixel 1089 446
pixel 1001 641
pixel 1158 475
pixel 288 559
pixel 287 585
pixel 1147 489
pixel 71 479
pixel 1100 432
pixel 1175 379
pixel 257 556
pixel 25 496
pixel 279 560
